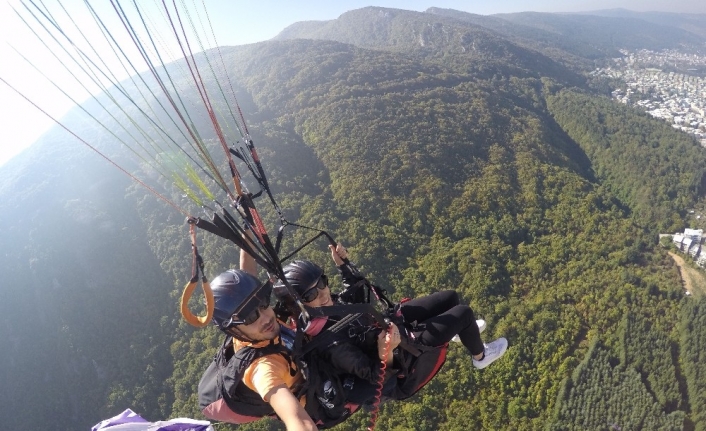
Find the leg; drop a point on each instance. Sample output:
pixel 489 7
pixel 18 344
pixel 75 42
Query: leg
pixel 441 328
pixel 425 307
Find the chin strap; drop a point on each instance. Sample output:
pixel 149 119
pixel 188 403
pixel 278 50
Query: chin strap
pixel 196 269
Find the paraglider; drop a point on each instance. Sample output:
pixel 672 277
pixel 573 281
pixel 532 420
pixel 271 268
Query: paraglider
pixel 164 138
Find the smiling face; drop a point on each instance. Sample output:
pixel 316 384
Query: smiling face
pixel 323 299
pixel 320 292
pixel 266 327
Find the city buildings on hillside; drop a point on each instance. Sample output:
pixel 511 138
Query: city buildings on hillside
pixel 675 97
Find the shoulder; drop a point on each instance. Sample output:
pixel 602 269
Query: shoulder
pixel 267 360
pixel 274 361
pixel 268 372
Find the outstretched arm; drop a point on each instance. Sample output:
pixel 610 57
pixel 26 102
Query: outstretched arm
pixel 287 407
pixel 247 262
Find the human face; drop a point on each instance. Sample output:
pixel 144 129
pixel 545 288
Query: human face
pixel 251 318
pixel 265 327
pixel 319 295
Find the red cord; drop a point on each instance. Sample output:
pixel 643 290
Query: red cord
pixel 381 382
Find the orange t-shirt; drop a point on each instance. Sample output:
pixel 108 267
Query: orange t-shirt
pixel 269 371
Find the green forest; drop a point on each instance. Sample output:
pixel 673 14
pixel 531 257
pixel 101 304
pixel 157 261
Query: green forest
pixel 471 162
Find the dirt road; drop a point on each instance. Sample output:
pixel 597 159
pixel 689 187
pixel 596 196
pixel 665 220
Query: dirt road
pixel 692 278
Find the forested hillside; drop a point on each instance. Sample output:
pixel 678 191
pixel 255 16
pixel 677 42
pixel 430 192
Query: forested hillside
pixel 609 34
pixel 82 294
pixel 453 159
pixel 693 23
pixel 633 155
pixel 575 40
pixel 451 42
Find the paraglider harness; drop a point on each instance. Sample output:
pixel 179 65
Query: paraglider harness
pixel 223 397
pixel 418 363
pixel 415 364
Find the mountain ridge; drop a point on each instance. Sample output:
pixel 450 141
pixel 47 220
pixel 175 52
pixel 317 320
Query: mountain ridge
pixel 694 22
pixel 439 170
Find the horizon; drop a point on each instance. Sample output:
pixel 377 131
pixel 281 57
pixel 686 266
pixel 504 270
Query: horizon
pixel 23 124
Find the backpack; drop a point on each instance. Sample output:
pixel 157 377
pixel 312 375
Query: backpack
pixel 222 397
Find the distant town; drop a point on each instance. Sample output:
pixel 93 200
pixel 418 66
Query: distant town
pixel 679 98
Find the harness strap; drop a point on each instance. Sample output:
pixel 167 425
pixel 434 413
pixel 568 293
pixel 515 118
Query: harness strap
pixel 196 268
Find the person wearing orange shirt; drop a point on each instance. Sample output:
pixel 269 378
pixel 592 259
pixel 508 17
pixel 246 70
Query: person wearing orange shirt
pixel 242 310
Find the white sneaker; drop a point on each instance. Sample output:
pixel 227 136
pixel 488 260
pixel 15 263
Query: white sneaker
pixel 493 351
pixel 481 327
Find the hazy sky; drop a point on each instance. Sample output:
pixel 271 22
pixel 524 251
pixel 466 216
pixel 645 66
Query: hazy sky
pixel 235 22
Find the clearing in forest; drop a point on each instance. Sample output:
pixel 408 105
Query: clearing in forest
pixel 694 280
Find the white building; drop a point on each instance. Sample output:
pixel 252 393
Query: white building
pixel 695 249
pixel 686 244
pixel 690 242
pixel 701 259
pixel 694 234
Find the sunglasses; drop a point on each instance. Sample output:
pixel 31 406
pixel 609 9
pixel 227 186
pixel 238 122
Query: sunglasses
pixel 313 293
pixel 250 318
pixel 263 303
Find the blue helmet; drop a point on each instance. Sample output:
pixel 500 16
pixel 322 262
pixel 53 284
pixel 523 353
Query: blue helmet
pixel 236 294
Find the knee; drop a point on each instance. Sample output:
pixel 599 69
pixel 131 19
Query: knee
pixel 465 314
pixel 451 296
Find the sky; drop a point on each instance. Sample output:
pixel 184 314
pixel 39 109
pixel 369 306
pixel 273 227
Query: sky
pixel 235 22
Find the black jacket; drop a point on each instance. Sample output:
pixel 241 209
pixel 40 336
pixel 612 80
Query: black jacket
pixel 356 351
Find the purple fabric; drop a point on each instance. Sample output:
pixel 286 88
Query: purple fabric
pixel 128 416
pixel 184 427
pixel 131 421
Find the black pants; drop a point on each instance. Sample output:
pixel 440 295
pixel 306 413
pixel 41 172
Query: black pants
pixel 439 317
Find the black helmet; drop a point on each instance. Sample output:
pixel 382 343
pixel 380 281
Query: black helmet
pixel 301 275
pixel 235 292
